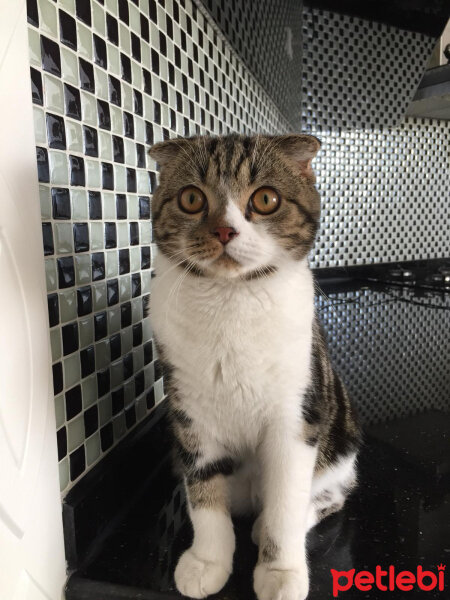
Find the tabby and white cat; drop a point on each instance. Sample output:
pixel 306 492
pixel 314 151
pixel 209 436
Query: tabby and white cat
pixel 261 421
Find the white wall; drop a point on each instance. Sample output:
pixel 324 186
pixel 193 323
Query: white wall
pixel 32 565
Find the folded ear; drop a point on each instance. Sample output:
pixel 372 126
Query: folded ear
pixel 164 152
pixel 301 149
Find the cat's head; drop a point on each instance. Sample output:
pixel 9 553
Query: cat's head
pixel 234 205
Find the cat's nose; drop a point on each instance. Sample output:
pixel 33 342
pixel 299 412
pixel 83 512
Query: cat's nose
pixel 225 234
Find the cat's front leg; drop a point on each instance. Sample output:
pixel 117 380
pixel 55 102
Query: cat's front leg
pixel 287 466
pixel 205 567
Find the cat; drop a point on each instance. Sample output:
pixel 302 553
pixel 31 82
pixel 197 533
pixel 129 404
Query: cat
pixel 261 421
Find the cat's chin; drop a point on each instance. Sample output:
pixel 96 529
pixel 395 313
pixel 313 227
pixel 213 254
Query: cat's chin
pixel 225 266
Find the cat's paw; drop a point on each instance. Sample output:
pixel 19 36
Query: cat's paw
pixel 198 578
pixel 276 584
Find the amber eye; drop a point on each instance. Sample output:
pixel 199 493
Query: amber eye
pixel 191 200
pixel 265 201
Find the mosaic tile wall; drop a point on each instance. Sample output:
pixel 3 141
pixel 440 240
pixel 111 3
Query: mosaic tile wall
pixel 269 42
pixel 384 189
pixel 108 79
pixel 369 330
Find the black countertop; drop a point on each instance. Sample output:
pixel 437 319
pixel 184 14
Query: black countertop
pixel 400 512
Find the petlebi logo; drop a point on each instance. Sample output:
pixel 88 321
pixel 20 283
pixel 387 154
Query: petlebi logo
pixel 388 580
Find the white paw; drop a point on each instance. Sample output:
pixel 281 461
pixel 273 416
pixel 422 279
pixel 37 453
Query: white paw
pixel 198 578
pixel 275 584
pixel 256 530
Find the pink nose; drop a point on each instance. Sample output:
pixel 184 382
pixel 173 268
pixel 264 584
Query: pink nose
pixel 225 234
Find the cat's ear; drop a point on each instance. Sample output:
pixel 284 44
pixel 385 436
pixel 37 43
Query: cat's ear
pixel 164 152
pixel 301 149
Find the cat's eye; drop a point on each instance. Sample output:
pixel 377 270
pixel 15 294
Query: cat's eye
pixel 265 201
pixel 191 200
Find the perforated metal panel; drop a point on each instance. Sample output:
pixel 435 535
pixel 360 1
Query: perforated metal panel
pixel 385 190
pixel 392 355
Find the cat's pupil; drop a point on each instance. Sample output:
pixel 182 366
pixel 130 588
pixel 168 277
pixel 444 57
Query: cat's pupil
pixel 192 198
pixel 266 199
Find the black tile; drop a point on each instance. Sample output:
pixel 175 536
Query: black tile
pixel 110 235
pixel 147 81
pixel 57 372
pixel 100 325
pixel 81 237
pixel 162 44
pixel 135 47
pixel 137 334
pixel 139 384
pixel 87 81
pixel 131 180
pixel 61 439
pixel 124 261
pixel 130 416
pixel 128 124
pixel 112 289
pixel 134 233
pixel 67 30
pixel 149 137
pixel 169 27
pixel 112 29
pixel 104 118
pixel 84 301
pixel 76 166
pixel 107 176
pixel 115 93
pixel 77 460
pixel 158 369
pixel 164 92
pixel 51 58
pixel 56 132
pixel 100 52
pixel 140 156
pixel 103 382
pixel 106 437
pixel 150 398
pixel 123 11
pixel 137 102
pixel 136 289
pixel 152 181
pixel 36 87
pixel 126 67
pixel 70 338
pixel 145 34
pixel 32 13
pixel 73 402
pixel 156 112
pixel 90 141
pixel 144 207
pixel 117 401
pixel 53 309
pixel 98 266
pixel 121 206
pixel 145 257
pixel 83 10
pixel 90 420
pixel 95 205
pixel 145 304
pixel 87 359
pixel 47 239
pixel 42 164
pixel 118 150
pixel 148 353
pixel 125 314
pixel 155 62
pixel 72 101
pixel 127 366
pixel 153 11
pixel 66 272
pixel 115 346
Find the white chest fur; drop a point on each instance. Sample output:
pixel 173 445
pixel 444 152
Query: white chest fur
pixel 240 349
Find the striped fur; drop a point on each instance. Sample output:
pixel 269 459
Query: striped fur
pixel 261 421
